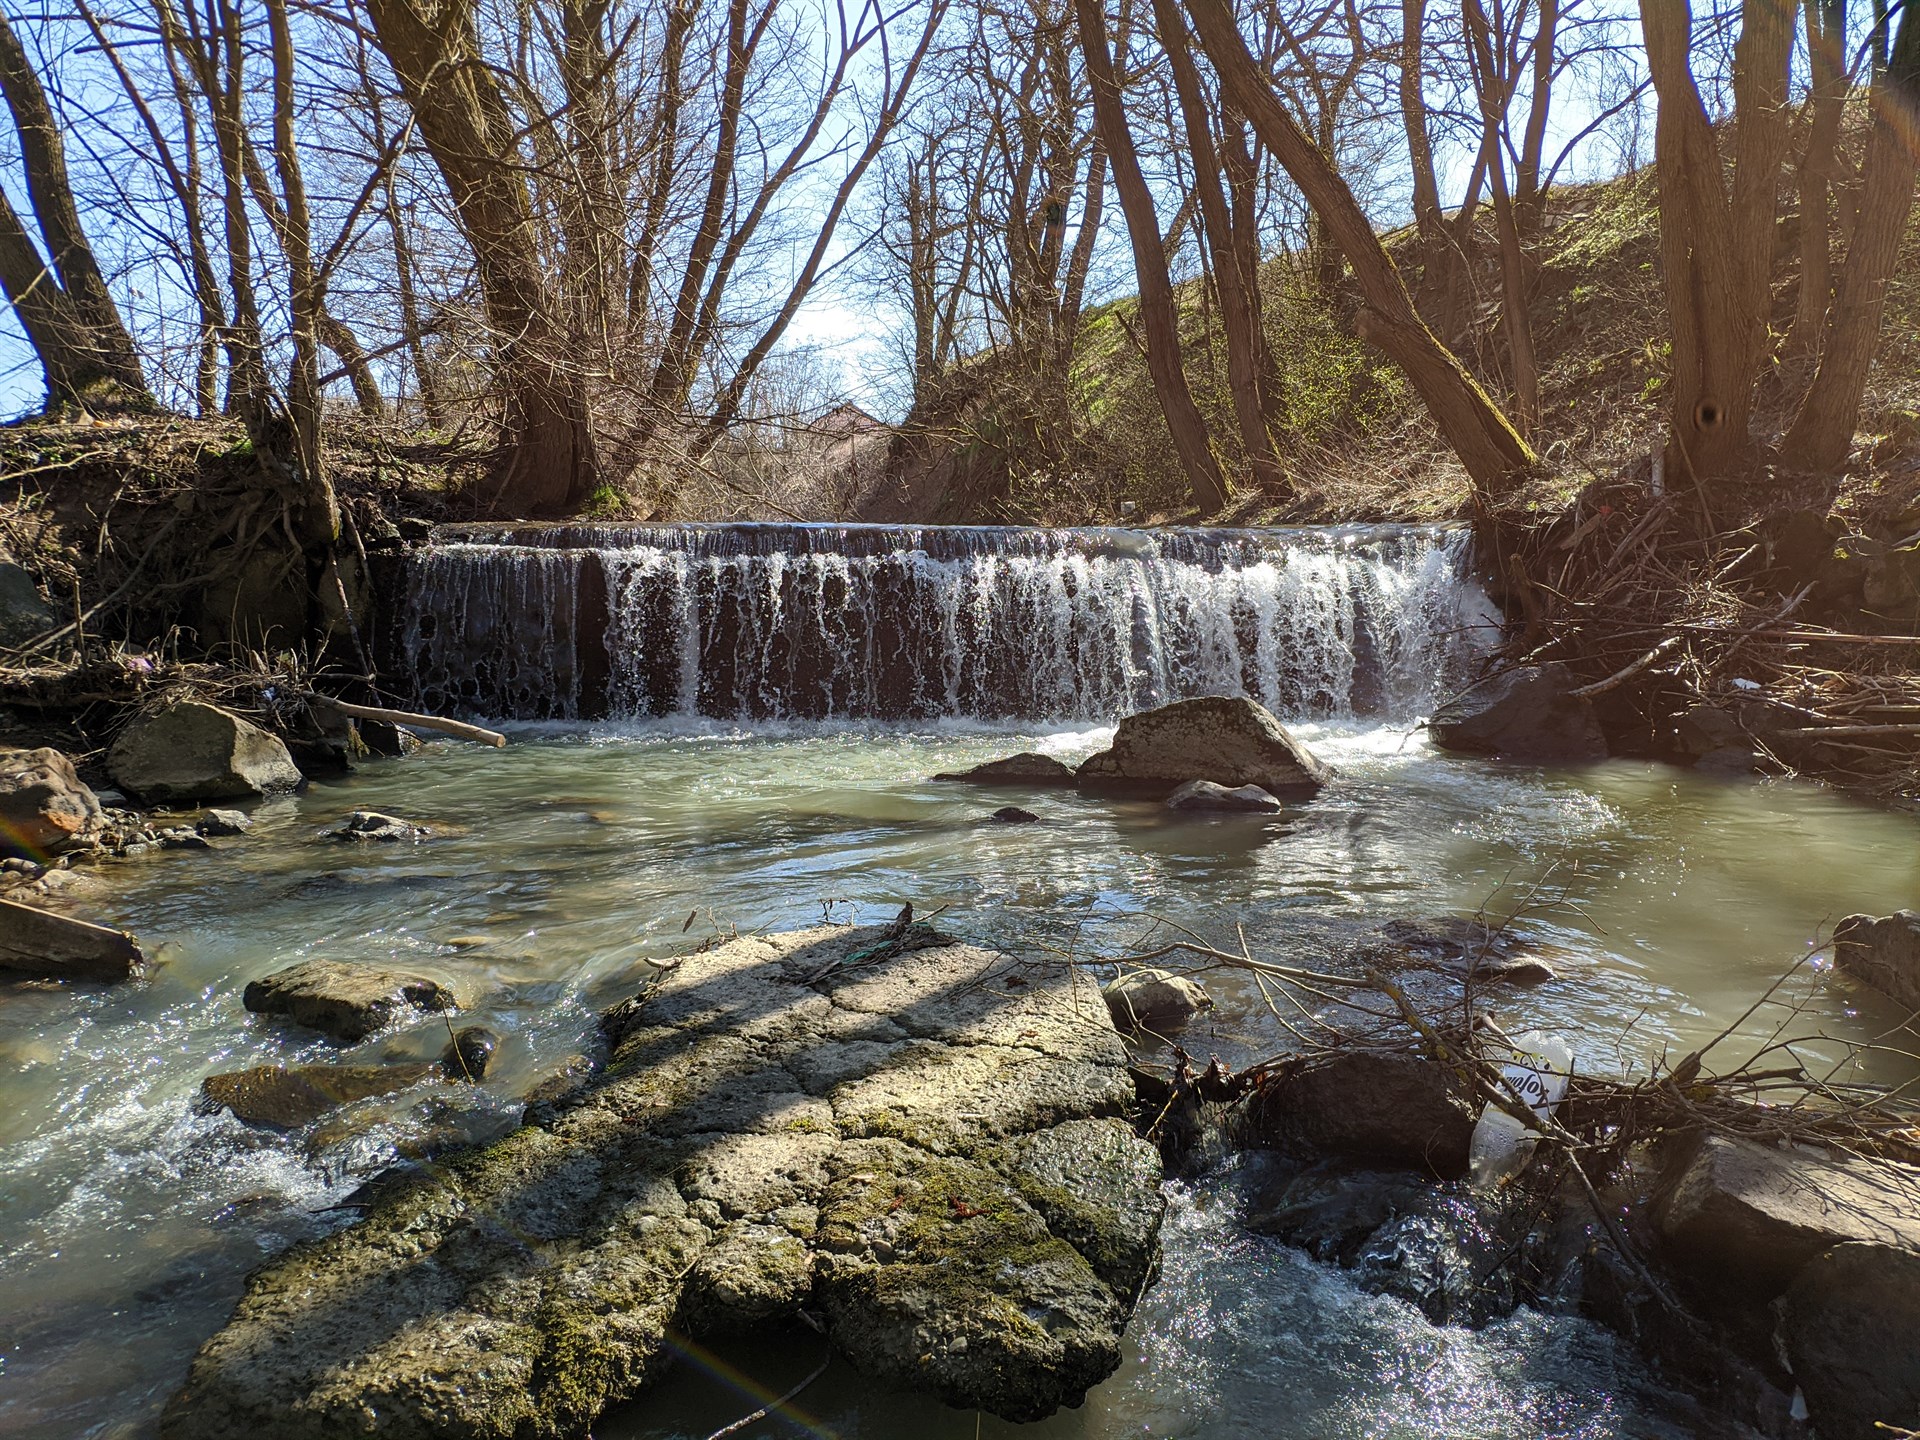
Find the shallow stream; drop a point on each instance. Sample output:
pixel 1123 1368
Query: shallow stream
pixel 560 864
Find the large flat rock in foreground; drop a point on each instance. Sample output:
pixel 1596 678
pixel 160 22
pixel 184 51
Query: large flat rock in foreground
pixel 928 1149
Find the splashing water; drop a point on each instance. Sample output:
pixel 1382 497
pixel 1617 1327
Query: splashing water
pixel 883 623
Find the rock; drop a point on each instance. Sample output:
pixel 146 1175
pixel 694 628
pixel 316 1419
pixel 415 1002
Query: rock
pixel 44 806
pixel 1205 795
pixel 1027 768
pixel 562 1082
pixel 192 751
pixel 469 1054
pixel 1702 729
pixel 1398 1109
pixel 1456 945
pixel 224 822
pixel 1892 583
pixel 1226 739
pixel 1153 999
pixel 344 1001
pixel 58 947
pixel 1523 714
pixel 1852 1331
pixel 1732 761
pixel 183 840
pixel 937 1162
pixel 23 614
pixel 1396 1232
pixel 1014 815
pixel 1749 1216
pixel 372 826
pixel 288 1097
pixel 383 737
pixel 1883 953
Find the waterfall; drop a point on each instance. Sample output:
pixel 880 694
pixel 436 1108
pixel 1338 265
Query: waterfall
pixel 897 622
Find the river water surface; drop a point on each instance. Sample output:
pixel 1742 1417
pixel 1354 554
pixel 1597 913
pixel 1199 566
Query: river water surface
pixel 562 863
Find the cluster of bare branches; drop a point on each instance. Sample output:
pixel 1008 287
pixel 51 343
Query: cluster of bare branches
pixel 581 231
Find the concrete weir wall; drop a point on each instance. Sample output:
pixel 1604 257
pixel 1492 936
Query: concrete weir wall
pixel 870 622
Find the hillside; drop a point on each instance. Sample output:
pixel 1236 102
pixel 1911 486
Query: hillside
pixel 1357 443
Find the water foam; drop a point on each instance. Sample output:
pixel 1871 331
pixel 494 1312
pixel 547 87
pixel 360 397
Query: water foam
pixel 788 622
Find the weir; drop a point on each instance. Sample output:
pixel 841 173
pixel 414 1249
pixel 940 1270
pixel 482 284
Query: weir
pixel 870 622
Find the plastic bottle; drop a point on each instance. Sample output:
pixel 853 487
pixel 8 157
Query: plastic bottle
pixel 1537 1070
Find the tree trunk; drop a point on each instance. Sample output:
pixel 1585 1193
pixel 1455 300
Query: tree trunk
pixel 1238 314
pixel 1826 24
pixel 1157 312
pixel 90 354
pixel 1494 455
pixel 1495 94
pixel 548 463
pixel 1822 431
pixel 1716 248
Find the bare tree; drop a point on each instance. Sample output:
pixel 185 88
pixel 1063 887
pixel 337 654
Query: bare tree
pixel 1493 453
pixel 1157 311
pixel 1823 428
pixel 1716 234
pixel 63 302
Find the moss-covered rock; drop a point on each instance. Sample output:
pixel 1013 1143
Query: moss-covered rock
pixel 928 1146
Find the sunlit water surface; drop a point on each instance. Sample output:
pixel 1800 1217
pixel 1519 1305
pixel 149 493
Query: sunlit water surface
pixel 128 1220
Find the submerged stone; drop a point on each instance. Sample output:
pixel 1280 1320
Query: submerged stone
pixel 1028 768
pixel 370 826
pixel 346 1002
pixel 1144 999
pixel 1205 795
pixel 936 1160
pixel 286 1097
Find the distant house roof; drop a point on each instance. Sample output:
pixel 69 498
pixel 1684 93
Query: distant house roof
pixel 847 419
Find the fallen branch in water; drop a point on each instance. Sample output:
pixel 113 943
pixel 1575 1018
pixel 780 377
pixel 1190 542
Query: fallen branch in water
pixel 459 729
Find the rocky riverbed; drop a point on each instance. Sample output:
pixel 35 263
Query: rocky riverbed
pixel 922 1140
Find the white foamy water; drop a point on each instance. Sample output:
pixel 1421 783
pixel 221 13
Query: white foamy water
pixel 770 622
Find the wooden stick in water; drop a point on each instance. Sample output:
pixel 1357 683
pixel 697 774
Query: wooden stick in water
pixel 459 729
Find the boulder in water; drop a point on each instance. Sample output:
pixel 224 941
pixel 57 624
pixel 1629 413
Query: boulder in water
pixel 286 1096
pixel 1524 714
pixel 371 827
pixel 1852 1331
pixel 57 947
pixel 937 1162
pixel 1153 999
pixel 1014 815
pixel 1745 1214
pixel 345 1002
pixel 1397 1109
pixel 1396 1232
pixel 1204 795
pixel 1028 768
pixel 1883 953
pixel 193 751
pixel 223 822
pixel 44 806
pixel 1229 740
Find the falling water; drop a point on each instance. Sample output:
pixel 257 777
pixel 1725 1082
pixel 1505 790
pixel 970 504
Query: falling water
pixel 760 622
